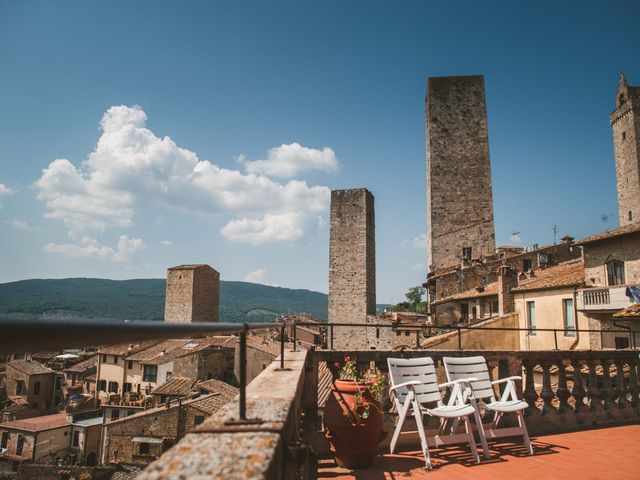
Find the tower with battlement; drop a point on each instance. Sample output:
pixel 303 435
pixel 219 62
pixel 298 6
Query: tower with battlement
pixel 192 295
pixel 625 124
pixel 352 264
pixel 459 194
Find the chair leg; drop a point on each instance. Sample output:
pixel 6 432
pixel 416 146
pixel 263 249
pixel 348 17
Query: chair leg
pixel 472 440
pixel 417 413
pixel 401 416
pixel 480 428
pixel 525 432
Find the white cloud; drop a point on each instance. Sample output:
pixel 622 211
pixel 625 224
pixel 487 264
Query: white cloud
pixel 279 227
pixel 91 248
pixel 130 166
pixel 4 190
pixel 166 243
pixel 417 242
pixel 257 276
pixel 289 160
pixel 17 224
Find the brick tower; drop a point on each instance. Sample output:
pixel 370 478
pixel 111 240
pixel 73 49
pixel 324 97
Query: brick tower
pixel 193 294
pixel 625 123
pixel 352 264
pixel 459 196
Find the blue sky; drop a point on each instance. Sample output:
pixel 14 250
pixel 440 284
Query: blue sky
pixel 238 117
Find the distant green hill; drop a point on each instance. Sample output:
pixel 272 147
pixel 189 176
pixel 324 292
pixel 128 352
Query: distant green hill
pixel 93 298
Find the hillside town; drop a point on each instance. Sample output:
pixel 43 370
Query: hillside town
pixel 112 411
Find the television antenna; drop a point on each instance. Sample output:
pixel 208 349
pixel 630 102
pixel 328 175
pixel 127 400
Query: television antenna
pixel 556 229
pixel 604 218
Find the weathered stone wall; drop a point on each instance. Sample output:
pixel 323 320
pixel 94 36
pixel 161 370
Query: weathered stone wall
pixel 481 339
pixel 193 294
pixel 42 401
pixel 257 361
pixel 352 270
pixel 459 195
pixel 12 444
pixel 625 124
pixel 214 363
pixel 625 248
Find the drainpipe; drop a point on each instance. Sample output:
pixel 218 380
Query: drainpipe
pixel 97 387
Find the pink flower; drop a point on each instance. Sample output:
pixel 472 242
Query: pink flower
pixel 347 359
pixel 337 364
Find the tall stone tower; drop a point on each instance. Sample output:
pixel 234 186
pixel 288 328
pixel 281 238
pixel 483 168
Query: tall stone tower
pixel 459 196
pixel 352 264
pixel 625 123
pixel 193 294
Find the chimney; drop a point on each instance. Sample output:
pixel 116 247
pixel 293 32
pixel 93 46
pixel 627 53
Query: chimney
pixel 506 281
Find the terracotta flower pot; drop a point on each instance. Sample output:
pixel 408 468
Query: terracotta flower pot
pixel 352 438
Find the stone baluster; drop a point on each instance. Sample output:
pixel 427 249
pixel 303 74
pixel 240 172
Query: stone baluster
pixel 562 392
pixel 546 394
pixel 593 390
pixel 634 386
pixel 578 392
pixel 606 392
pixel 621 389
pixel 530 395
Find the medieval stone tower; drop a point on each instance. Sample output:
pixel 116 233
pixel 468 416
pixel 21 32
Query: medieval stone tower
pixel 352 264
pixel 459 195
pixel 193 294
pixel 625 123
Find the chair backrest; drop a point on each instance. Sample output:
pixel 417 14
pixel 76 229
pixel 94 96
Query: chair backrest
pixel 421 369
pixel 465 367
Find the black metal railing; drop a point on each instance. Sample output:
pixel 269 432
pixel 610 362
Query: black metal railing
pixel 459 329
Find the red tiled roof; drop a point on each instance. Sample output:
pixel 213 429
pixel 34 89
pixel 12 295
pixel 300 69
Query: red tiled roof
pixel 176 386
pixel 489 291
pixel 30 368
pixel 37 424
pixel 566 274
pixel 217 386
pixel 630 312
pixel 627 229
pixel 84 365
pixel 125 348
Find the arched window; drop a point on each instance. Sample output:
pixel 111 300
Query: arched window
pixel 615 272
pixel 621 98
pixel 630 216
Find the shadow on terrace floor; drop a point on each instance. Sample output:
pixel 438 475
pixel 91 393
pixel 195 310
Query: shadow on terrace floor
pixel 609 453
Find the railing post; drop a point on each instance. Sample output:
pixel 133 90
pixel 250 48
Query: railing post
pixel 330 337
pixel 295 335
pixel 555 338
pixel 459 338
pixel 243 375
pixel 417 339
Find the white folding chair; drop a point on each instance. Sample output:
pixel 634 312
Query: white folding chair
pixel 482 391
pixel 413 384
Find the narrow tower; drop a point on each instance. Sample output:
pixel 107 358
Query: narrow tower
pixel 625 123
pixel 193 294
pixel 352 264
pixel 459 196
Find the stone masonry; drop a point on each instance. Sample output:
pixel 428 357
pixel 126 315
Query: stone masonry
pixel 459 195
pixel 625 123
pixel 193 294
pixel 352 265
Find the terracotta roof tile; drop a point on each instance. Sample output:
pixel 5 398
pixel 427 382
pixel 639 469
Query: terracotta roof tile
pixel 630 312
pixel 218 386
pixel 84 365
pixel 176 386
pixel 566 274
pixel 30 368
pixel 489 291
pixel 627 229
pixel 37 424
pixel 125 348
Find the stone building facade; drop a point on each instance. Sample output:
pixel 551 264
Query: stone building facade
pixel 459 193
pixel 625 123
pixel 34 382
pixel 352 264
pixel 193 294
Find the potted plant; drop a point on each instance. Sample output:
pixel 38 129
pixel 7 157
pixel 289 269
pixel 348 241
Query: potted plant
pixel 353 418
